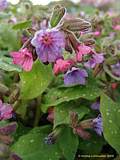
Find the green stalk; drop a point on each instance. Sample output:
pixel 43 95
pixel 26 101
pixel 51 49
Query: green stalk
pixel 38 112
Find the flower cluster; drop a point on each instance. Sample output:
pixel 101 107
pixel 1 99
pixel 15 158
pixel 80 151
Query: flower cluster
pixel 50 46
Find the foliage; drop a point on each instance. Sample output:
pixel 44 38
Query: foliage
pixel 42 116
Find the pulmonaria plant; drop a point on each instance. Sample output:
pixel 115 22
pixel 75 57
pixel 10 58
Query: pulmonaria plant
pixel 69 70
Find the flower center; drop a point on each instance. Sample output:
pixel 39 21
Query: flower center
pixel 47 39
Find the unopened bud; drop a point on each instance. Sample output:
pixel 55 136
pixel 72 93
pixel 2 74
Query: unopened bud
pixel 6 139
pixel 73 119
pixel 76 25
pixel 86 124
pixel 82 133
pixel 57 15
pixel 15 91
pixel 114 85
pixel 68 47
pixel 8 129
pixel 89 42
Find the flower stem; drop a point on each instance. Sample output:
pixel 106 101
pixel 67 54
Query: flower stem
pixel 38 112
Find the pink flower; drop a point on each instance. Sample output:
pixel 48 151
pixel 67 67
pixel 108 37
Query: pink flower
pixel 97 33
pixel 62 65
pixel 116 28
pixel 82 50
pixel 23 58
pixel 5 111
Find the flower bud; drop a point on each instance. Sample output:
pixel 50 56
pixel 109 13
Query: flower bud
pixel 89 42
pixel 82 133
pixel 57 15
pixel 15 91
pixel 76 25
pixel 8 129
pixel 114 85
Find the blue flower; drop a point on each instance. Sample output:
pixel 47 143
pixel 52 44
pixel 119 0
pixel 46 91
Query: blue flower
pixel 98 125
pixel 75 76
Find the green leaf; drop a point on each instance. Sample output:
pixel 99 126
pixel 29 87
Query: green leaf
pixel 22 109
pixel 7 65
pixel 35 82
pixel 110 112
pixel 92 146
pixel 4 15
pixel 21 130
pixel 9 38
pixel 56 96
pixel 68 143
pixel 31 146
pixel 22 25
pixel 62 112
pixel 88 9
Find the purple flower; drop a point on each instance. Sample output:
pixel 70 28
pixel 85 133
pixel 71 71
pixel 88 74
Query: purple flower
pixel 97 125
pixel 75 76
pixel 6 111
pixel 48 44
pixel 95 105
pixel 116 69
pixel 3 4
pixel 96 59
